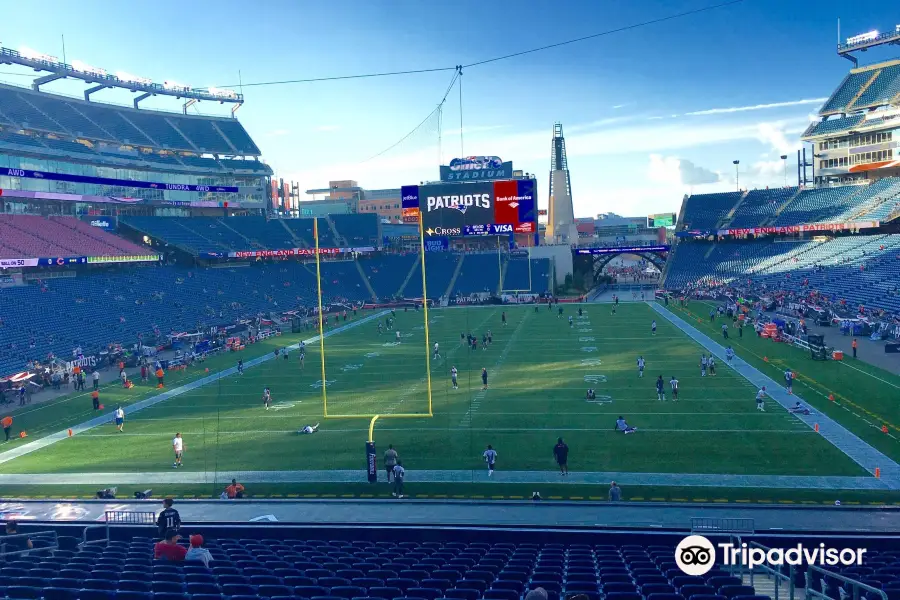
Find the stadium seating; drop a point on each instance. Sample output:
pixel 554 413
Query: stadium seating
pixel 518 278
pixel 861 269
pixel 68 117
pixel 30 236
pixel 759 205
pixel 94 310
pixel 834 125
pixel 386 570
pixel 882 90
pixel 358 229
pixel 439 269
pixel 387 273
pixel 848 89
pixel 841 204
pixel 704 211
pixel 479 273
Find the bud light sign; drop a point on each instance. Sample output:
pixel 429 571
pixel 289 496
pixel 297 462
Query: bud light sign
pixel 437 244
pixel 476 168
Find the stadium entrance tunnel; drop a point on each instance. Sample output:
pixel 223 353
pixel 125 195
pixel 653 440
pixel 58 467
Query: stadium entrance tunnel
pixel 592 261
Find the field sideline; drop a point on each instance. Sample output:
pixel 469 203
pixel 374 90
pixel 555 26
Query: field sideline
pixel 539 370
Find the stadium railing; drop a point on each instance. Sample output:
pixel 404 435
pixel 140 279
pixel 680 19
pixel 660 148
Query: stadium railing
pixel 42 540
pixel 113 517
pixel 824 575
pixel 774 573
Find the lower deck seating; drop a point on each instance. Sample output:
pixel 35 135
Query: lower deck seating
pixel 387 570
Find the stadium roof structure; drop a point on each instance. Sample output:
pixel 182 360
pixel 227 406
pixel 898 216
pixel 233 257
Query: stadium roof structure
pixel 103 80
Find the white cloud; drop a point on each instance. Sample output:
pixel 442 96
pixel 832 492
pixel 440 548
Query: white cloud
pixel 776 135
pixel 618 106
pixel 678 171
pixel 735 109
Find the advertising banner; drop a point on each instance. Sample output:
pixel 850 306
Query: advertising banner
pixel 104 223
pixel 437 244
pixel 801 228
pixel 476 168
pixel 109 181
pixel 515 202
pixel 447 208
pixel 15 263
pixel 625 249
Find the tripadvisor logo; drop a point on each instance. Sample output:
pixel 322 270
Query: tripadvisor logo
pixel 696 555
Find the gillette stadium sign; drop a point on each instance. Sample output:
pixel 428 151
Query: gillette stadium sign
pixel 476 168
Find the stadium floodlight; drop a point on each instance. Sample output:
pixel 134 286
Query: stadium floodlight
pixel 35 55
pixel 221 93
pixel 83 67
pixel 174 85
pixel 863 37
pixel 128 77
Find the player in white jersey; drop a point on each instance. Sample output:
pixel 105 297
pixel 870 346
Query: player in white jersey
pixel 437 352
pixel 729 353
pixel 267 398
pixel 398 337
pixel 178 448
pixel 490 457
pixel 674 383
pixel 703 363
pixel 571 321
pixel 789 381
pixel 309 429
pixel 653 327
pixel 760 398
pixel 453 378
pixel 640 365
pixel 712 365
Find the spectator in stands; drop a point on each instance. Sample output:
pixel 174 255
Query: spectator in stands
pixel 615 492
pixel 235 490
pixel 197 552
pixel 16 544
pixel 168 519
pixel 168 548
pixel 537 593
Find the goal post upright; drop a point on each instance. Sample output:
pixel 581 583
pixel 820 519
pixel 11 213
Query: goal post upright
pixel 321 316
pixel 425 310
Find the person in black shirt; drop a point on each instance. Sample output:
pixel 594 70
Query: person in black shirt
pixel 17 544
pixel 561 454
pixel 168 518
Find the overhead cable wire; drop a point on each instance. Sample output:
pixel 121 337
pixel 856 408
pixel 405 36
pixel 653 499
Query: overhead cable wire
pixel 497 58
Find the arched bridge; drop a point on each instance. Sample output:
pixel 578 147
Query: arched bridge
pixel 656 255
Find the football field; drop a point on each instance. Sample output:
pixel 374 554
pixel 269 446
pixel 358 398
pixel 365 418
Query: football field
pixel 539 370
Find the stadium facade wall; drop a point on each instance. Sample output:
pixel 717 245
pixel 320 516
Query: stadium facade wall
pixel 561 258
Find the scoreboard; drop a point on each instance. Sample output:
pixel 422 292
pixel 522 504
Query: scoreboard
pixel 661 220
pixel 473 209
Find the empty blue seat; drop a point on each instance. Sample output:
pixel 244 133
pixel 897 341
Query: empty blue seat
pixel 732 591
pixel 21 591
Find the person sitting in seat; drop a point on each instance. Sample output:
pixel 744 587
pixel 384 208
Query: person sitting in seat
pixel 168 548
pixel 624 427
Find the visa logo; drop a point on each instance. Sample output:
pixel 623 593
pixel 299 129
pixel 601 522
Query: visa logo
pixel 502 228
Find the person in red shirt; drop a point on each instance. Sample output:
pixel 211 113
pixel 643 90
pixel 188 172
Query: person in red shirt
pixel 168 549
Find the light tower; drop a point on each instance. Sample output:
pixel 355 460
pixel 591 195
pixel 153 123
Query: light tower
pixel 561 227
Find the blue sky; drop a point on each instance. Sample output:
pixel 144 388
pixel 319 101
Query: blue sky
pixel 649 114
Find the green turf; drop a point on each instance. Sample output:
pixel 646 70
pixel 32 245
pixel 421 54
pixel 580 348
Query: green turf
pixel 536 394
pixel 862 392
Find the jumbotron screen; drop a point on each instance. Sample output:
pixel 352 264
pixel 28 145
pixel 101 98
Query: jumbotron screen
pixel 476 208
